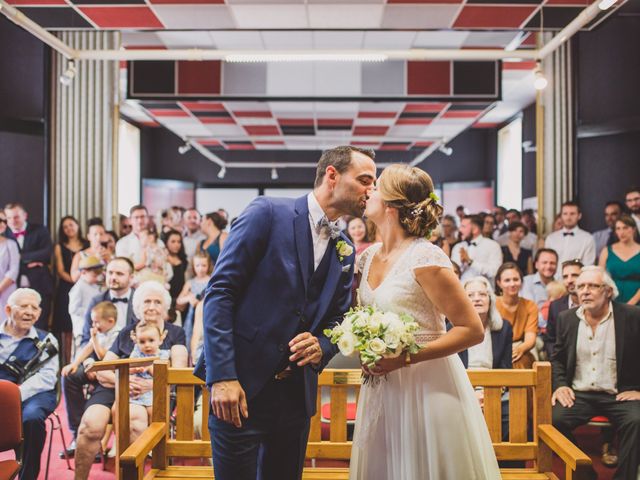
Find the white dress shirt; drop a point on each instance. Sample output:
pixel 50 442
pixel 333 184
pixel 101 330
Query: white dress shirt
pixel 486 257
pixel 580 245
pixel 122 309
pixel 320 241
pixel 24 281
pixel 596 355
pixel 129 247
pixel 481 355
pixel 44 379
pixel 191 241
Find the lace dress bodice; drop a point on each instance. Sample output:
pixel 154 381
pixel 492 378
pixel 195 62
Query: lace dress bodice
pixel 400 292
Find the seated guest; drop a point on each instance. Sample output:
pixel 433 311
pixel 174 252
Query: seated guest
pixel 607 236
pixel 622 261
pixel 521 313
pixel 74 377
pixel 571 241
pixel 534 286
pixel 570 272
pixel 475 254
pixel 151 303
pixel 495 349
pixel 595 366
pixel 36 250
pixel 513 250
pixel 29 358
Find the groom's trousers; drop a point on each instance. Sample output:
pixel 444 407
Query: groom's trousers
pixel 271 443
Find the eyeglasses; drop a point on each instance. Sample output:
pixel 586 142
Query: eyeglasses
pixel 589 286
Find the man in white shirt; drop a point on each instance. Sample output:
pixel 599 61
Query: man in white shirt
pixel 534 286
pixel 571 242
pixel 607 236
pixel 632 200
pixel 476 255
pixel 595 366
pixel 129 246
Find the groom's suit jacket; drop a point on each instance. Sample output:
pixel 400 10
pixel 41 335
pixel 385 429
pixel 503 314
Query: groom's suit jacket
pixel 259 298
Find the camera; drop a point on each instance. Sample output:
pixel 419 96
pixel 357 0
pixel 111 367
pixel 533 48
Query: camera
pixel 105 244
pixel 23 372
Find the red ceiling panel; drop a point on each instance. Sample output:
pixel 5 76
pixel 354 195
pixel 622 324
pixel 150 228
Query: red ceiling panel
pixel 122 17
pixel 370 130
pixel 253 114
pixel 204 106
pixel 428 78
pixel 262 129
pixel 295 122
pixel 377 114
pixel 461 114
pixel 217 120
pixel 480 16
pixel 199 77
pixel 159 112
pixel 414 121
pixel 527 65
pixel 424 107
pixel 423 144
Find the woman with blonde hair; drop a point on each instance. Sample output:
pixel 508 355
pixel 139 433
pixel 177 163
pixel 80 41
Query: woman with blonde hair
pixel 403 427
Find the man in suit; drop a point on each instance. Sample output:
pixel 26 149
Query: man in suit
pixel 284 275
pixel 36 249
pixel 595 366
pixel 571 270
pixel 607 236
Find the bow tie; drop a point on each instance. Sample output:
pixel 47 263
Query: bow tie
pixel 564 234
pixel 332 228
pixel 473 244
pixel 121 300
pixel 21 233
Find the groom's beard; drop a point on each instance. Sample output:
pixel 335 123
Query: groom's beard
pixel 351 207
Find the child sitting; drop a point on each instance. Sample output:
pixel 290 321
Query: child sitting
pixel 81 294
pixel 147 339
pixel 193 290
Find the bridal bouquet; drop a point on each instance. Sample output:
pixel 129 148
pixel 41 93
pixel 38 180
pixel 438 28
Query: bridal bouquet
pixel 373 334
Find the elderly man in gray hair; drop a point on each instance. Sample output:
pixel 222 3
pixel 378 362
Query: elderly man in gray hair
pixel 595 366
pixel 29 358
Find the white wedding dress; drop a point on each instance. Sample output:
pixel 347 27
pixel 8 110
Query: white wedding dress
pixel 424 421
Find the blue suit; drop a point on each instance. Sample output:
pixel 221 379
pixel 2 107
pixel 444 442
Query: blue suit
pixel 264 291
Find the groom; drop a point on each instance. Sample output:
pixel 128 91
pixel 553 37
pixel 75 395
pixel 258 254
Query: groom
pixel 284 275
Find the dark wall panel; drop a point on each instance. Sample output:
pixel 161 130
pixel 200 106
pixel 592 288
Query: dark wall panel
pixel 529 159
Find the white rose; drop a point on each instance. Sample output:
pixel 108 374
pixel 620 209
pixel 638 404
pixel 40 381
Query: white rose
pixel 406 338
pixel 344 249
pixel 374 323
pixel 346 325
pixel 346 344
pixel 391 339
pixel 377 346
pixel 390 318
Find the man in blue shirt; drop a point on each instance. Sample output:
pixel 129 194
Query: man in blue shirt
pixel 29 358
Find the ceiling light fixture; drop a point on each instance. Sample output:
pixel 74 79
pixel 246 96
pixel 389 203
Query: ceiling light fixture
pixel 274 174
pixel 606 4
pixel 222 173
pixel 445 150
pixel 306 57
pixel 182 149
pixel 540 82
pixel 69 74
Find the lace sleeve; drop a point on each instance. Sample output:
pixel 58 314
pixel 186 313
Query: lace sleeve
pixel 362 259
pixel 429 255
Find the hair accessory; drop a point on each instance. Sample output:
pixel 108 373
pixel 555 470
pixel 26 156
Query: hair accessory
pixel 434 197
pixel 417 211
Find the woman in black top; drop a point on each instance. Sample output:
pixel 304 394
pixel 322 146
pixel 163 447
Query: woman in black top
pixel 177 258
pixel 513 252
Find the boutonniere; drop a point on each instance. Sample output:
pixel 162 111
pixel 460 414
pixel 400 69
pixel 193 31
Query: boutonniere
pixel 343 249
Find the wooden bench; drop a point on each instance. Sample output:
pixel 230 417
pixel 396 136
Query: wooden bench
pixel 167 443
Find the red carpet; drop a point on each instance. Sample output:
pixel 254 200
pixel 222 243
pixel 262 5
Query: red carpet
pixel 588 438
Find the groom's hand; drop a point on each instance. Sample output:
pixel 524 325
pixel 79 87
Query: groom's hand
pixel 229 402
pixel 305 350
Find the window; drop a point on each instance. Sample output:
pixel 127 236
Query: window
pixel 128 167
pixel 509 180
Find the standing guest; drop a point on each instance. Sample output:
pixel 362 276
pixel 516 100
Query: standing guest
pixel 438 240
pixel 213 225
pixel 461 212
pixel 36 249
pixel 125 227
pixel 70 242
pixel 570 272
pixel 622 261
pixel 557 223
pixel 223 213
pixel 98 247
pixel 130 246
pixel 152 264
pixel 607 236
pixel 177 259
pixel 632 200
pixel 192 235
pixel 19 341
pixel 571 241
pixel 82 293
pixel 529 241
pixel 499 213
pixel 513 251
pixel 488 226
pixel 449 231
pixel 521 313
pixel 534 286
pixel 9 264
pixel 528 217
pixel 357 232
pixel 112 239
pixel 476 254
pixel 171 220
pixel 595 366
pixel 193 291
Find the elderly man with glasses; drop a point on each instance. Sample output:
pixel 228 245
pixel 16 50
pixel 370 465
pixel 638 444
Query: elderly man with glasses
pixel 595 366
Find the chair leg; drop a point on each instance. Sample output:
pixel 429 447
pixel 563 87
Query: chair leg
pixel 64 442
pixel 46 472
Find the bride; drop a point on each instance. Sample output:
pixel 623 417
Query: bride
pixel 422 420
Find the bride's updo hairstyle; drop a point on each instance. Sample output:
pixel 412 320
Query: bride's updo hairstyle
pixel 410 191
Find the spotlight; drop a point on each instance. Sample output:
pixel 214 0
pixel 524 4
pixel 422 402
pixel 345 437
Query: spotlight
pixel 69 74
pixel 182 149
pixel 606 4
pixel 274 174
pixel 445 150
pixel 540 82
pixel 222 172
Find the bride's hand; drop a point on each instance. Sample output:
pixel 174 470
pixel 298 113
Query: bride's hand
pixel 387 365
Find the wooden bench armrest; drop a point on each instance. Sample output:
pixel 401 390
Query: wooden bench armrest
pixel 138 450
pixel 562 446
pixel 115 364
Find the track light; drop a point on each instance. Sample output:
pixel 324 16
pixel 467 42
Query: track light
pixel 606 4
pixel 445 150
pixel 274 174
pixel 69 74
pixel 540 82
pixel 222 173
pixel 182 149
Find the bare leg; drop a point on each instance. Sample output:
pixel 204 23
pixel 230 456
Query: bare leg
pixel 139 421
pixel 92 427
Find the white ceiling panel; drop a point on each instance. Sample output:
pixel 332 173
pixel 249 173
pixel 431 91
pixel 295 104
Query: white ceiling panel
pixel 381 106
pixel 222 130
pixel 278 108
pixel 337 78
pixel 420 16
pixel 237 40
pixel 489 39
pixel 445 39
pixel 284 39
pixel 338 39
pixel 195 16
pixel 290 79
pixel 389 40
pixel 270 16
pixel 186 39
pixel 185 127
pixel 140 39
pixel 345 16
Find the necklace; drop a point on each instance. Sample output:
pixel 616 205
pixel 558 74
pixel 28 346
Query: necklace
pixel 394 253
